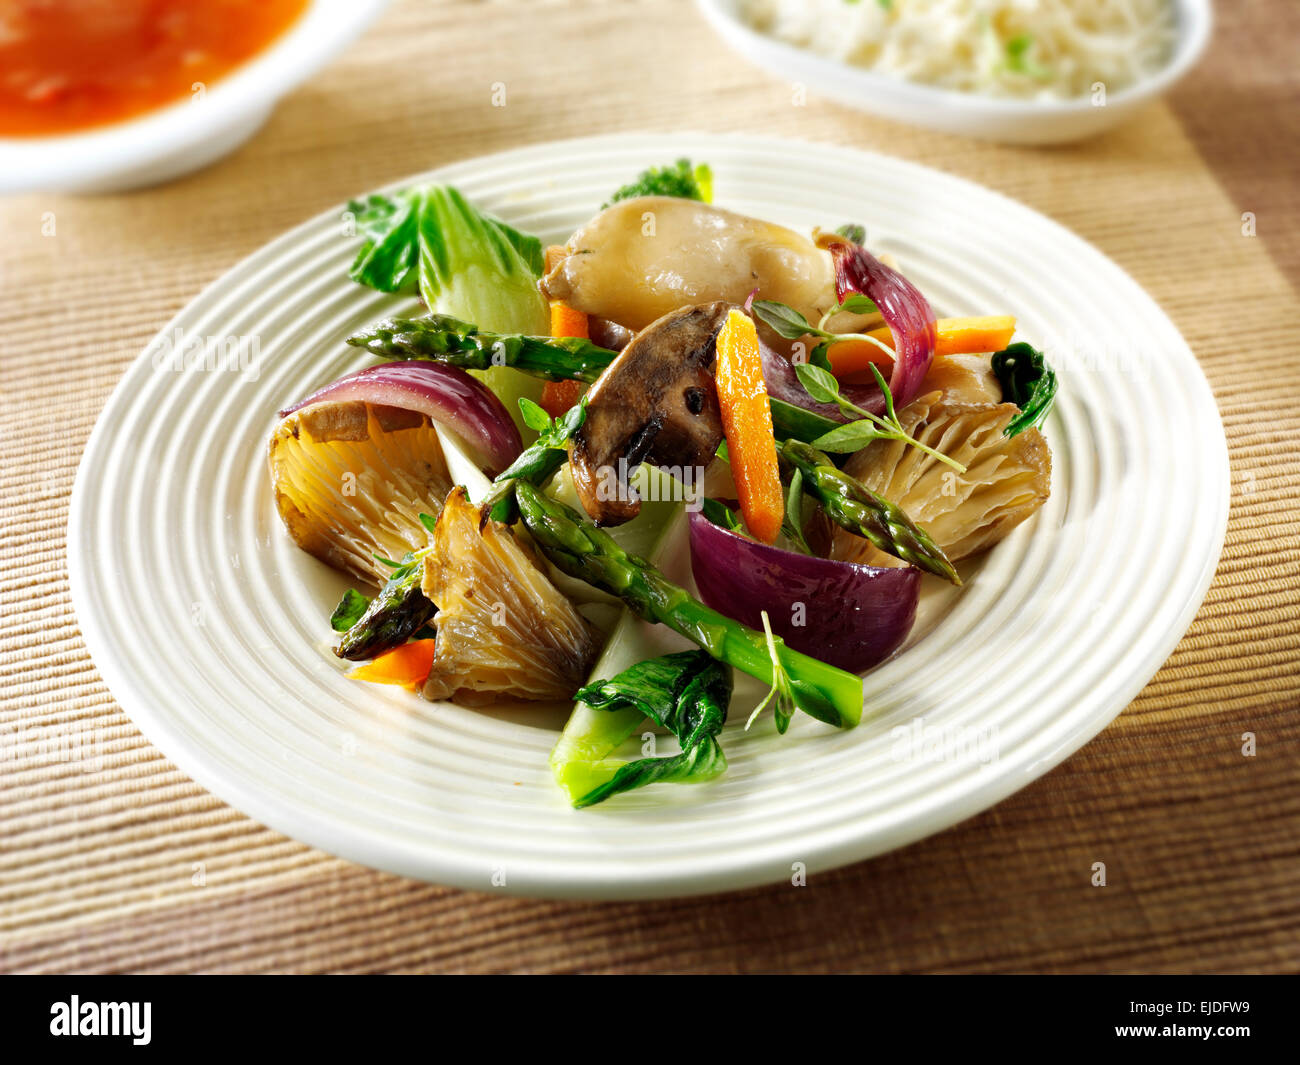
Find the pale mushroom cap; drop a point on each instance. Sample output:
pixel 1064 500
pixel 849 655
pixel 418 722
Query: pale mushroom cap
pixel 504 631
pixel 1007 478
pixel 351 480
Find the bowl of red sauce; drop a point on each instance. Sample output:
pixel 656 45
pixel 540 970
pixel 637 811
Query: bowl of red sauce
pixel 104 95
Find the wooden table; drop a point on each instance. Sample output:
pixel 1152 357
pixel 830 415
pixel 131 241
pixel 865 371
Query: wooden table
pixel 111 859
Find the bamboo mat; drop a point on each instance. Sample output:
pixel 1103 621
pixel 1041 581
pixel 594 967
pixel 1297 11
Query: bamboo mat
pixel 111 859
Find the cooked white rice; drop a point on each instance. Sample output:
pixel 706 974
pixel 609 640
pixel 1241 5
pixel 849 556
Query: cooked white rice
pixel 1052 49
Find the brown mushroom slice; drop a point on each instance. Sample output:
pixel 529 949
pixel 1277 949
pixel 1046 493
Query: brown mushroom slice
pixel 1006 478
pixel 655 403
pixel 351 480
pixel 504 631
pixel 641 258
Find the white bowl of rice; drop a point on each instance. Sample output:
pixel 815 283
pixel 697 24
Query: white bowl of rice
pixel 1019 71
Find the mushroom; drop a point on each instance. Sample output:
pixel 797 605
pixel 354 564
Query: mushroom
pixel 504 631
pixel 1007 478
pixel 644 257
pixel 655 403
pixel 351 479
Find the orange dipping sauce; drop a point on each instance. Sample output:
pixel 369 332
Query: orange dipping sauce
pixel 69 65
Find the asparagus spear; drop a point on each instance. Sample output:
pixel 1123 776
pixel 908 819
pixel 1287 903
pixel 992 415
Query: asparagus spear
pixel 442 338
pixel 853 506
pixel 537 462
pixel 580 549
pixel 394 615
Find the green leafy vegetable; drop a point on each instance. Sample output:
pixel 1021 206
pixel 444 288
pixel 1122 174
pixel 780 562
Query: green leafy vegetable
pixel 797 423
pixel 792 523
pixel 349 611
pixel 462 261
pixel 722 515
pixel 1028 382
pixel 687 693
pixel 682 180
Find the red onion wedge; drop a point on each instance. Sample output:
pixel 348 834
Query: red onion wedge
pixel 447 394
pixel 906 311
pixel 846 614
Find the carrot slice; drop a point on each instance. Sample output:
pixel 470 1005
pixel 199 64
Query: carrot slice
pixel 559 396
pixel 747 423
pixel 568 322
pixel 956 336
pixel 407 665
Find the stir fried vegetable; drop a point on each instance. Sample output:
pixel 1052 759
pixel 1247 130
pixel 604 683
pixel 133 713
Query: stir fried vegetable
pixel 397 613
pixel 441 338
pixel 540 460
pixel 1006 478
pixel 1028 382
pixel 853 506
pixel 559 396
pixel 406 666
pixel 461 260
pixel 727 348
pixel 686 693
pixel 954 336
pixel 747 421
pixel 580 549
pixel 681 180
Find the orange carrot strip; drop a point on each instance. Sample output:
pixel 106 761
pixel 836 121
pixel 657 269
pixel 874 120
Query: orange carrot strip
pixel 747 423
pixel 956 336
pixel 407 665
pixel 567 322
pixel 851 357
pixel 559 396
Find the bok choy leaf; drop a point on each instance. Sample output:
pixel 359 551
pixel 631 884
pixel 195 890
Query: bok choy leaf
pixel 687 693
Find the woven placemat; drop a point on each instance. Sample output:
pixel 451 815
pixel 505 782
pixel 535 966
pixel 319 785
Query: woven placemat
pixel 111 859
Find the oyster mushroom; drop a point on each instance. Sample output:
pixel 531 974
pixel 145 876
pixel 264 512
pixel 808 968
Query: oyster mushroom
pixel 1006 478
pixel 655 403
pixel 641 258
pixel 351 479
pixel 504 631
pixel 963 379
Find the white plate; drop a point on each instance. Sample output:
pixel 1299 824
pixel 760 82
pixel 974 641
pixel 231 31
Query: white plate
pixel 970 114
pixel 208 625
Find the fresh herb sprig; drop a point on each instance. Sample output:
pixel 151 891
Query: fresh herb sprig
pixel 537 462
pixel 789 694
pixel 792 524
pixel 855 435
pixel 791 324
